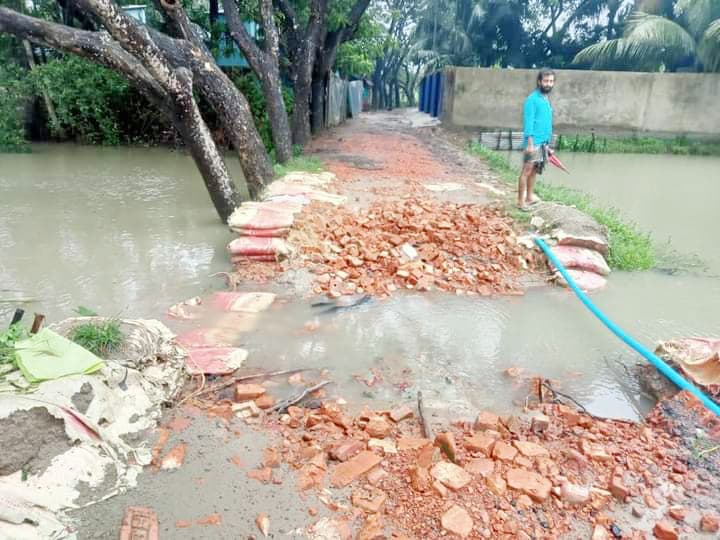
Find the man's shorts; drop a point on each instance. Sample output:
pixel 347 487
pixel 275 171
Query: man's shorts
pixel 539 157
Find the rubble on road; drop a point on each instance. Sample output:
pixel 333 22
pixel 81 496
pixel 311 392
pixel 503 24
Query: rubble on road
pixel 73 441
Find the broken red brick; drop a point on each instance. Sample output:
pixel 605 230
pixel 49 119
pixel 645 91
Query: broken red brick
pixel 212 519
pixel 664 530
pixel 347 449
pixel 618 488
pixel 709 523
pixel 378 427
pixel 479 443
pixel 263 475
pixel 481 466
pixel 486 420
pixel 574 494
pixel 347 472
pixel 531 450
pixel 271 458
pixel 401 413
pixel 503 451
pixel 530 483
pixel 376 476
pixel 175 457
pixel 450 475
pixel 139 523
pixel 456 520
pixel 678 513
pixel 265 401
pixel 370 500
pixel 496 483
pixel 446 442
pixel 247 392
pixel 420 479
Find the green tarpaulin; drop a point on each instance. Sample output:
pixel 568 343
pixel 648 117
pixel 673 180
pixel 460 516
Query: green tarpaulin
pixel 48 355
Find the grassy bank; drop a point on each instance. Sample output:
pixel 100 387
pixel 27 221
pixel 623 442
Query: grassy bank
pixel 630 249
pixel 637 145
pixel 298 163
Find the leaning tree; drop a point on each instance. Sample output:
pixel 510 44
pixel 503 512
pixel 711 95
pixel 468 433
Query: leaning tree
pixel 167 69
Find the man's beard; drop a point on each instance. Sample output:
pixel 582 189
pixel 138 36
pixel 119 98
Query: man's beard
pixel 545 89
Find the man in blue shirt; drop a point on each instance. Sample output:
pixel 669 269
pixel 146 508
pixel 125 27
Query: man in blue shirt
pixel 537 133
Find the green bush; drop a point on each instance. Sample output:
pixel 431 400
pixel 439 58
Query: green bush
pixel 13 95
pixel 96 105
pixel 637 145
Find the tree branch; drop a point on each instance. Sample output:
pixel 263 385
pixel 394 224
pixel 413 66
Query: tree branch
pixel 250 49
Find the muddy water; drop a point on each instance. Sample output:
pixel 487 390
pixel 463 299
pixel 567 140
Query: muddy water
pixel 122 231
pixel 129 232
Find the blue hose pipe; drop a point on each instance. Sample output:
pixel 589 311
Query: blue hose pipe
pixel 661 366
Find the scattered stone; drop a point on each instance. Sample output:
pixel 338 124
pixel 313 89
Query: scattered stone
pixel 446 442
pixel 523 502
pixel 246 392
pixel 347 449
pixel 479 443
pixel 451 475
pixel 426 456
pixel 709 523
pixel 401 413
pixel 457 521
pixel 530 483
pixel 664 530
pixel 369 499
pixel 347 472
pixel 531 450
pixel 378 427
pixel 638 511
pixel 571 416
pixel 503 451
pixel 574 494
pixel 482 466
pixel 486 420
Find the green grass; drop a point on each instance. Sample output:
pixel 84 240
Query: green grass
pixel 638 145
pixel 98 338
pixel 629 248
pixel 8 338
pixel 298 163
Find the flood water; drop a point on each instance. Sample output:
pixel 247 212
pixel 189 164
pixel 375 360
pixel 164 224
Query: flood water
pixel 128 232
pixel 123 231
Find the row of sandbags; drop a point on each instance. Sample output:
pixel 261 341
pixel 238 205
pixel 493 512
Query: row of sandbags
pixel 581 244
pixel 263 226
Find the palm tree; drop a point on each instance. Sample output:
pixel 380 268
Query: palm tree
pixel 690 35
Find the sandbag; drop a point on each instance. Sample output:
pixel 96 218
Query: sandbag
pixel 247 245
pixel 587 281
pixel 268 233
pixel 214 360
pixel 260 217
pixel 698 358
pixel 242 259
pixel 581 258
pixel 247 302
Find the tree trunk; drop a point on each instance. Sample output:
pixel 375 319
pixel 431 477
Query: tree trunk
pixel 46 97
pixel 318 105
pixel 223 96
pixel 397 94
pixel 196 135
pixel 265 65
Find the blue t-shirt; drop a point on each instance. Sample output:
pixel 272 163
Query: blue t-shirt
pixel 537 119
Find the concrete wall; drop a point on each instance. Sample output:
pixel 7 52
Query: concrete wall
pixel 607 101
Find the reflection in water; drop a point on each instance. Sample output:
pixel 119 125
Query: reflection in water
pixel 123 231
